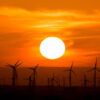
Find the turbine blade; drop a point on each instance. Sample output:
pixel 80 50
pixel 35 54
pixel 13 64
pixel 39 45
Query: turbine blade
pixel 36 66
pixel 8 65
pixel 73 72
pixel 18 65
pixel 31 68
pixel 17 62
pixel 96 63
pixel 66 70
pixel 98 70
pixel 91 70
pixel 72 66
pixel 11 66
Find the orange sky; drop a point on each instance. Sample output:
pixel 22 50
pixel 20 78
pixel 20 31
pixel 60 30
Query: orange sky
pixel 25 23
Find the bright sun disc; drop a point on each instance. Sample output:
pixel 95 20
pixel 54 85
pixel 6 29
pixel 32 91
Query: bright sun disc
pixel 52 48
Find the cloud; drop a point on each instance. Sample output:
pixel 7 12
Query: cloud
pixel 24 29
pixel 52 4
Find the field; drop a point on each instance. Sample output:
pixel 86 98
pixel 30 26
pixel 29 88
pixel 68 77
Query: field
pixel 49 93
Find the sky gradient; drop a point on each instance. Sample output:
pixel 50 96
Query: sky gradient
pixel 24 24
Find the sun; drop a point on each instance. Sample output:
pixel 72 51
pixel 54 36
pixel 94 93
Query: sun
pixel 52 48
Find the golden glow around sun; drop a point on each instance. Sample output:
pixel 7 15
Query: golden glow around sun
pixel 52 48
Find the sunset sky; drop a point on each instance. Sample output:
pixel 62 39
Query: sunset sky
pixel 25 23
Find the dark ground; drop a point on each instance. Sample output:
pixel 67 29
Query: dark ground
pixel 49 93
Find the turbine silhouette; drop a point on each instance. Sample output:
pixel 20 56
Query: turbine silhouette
pixel 53 80
pixel 95 69
pixel 70 74
pixel 48 81
pixel 64 81
pixel 14 72
pixel 85 81
pixel 34 74
pixel 29 80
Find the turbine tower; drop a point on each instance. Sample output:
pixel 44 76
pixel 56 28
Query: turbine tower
pixel 34 74
pixel 29 80
pixel 70 75
pixel 53 80
pixel 48 81
pixel 95 69
pixel 85 81
pixel 64 81
pixel 14 72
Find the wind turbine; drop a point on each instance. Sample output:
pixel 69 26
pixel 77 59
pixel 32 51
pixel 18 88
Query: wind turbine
pixel 85 81
pixel 14 72
pixel 48 81
pixel 57 80
pixel 70 75
pixel 53 80
pixel 99 82
pixel 34 74
pixel 30 80
pixel 95 69
pixel 64 81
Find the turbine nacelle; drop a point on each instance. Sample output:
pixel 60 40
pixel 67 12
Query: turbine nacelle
pixel 71 69
pixel 95 67
pixel 34 68
pixel 17 64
